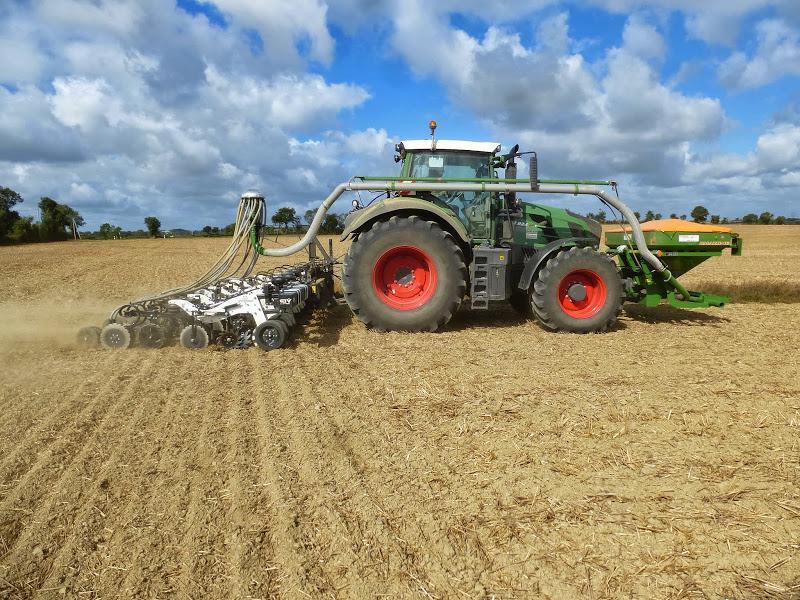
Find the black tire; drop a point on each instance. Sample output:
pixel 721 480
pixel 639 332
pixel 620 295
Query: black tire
pixel 271 334
pixel 434 305
pixel 520 301
pixel 595 275
pixel 89 338
pixel 194 337
pixel 115 337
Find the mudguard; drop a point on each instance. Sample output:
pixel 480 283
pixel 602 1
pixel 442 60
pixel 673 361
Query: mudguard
pixel 356 220
pixel 545 252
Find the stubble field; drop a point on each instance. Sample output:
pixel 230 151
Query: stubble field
pixel 492 459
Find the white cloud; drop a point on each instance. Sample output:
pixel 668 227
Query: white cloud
pixel 777 54
pixel 163 112
pixel 642 39
pixel 282 25
pixel 286 100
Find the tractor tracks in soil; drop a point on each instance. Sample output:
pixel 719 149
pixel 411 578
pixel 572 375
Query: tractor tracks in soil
pixel 69 499
pixel 348 493
pixel 41 421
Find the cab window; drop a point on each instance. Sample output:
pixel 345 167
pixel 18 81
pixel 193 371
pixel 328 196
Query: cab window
pixel 470 207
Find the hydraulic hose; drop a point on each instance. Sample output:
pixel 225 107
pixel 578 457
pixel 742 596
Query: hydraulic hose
pixel 398 186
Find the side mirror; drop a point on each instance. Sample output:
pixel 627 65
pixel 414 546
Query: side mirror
pixel 534 171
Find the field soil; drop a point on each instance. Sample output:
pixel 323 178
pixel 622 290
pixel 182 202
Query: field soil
pixel 491 459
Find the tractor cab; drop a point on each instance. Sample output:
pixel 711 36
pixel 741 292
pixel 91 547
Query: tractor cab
pixel 441 160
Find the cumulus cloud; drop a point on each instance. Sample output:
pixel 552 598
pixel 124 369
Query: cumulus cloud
pixel 130 108
pixel 282 26
pixel 777 54
pixel 625 120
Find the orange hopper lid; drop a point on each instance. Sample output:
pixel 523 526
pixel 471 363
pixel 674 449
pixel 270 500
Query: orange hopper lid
pixel 675 225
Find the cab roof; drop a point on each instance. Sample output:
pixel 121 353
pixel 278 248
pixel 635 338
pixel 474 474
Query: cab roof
pixel 466 146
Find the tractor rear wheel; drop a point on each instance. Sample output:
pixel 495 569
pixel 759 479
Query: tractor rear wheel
pixel 404 274
pixel 578 290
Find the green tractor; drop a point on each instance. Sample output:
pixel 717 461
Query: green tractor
pixel 449 226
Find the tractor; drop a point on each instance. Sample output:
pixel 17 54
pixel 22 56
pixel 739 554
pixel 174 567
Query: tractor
pixel 417 252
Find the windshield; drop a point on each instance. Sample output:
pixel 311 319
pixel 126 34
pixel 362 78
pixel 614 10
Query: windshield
pixel 456 165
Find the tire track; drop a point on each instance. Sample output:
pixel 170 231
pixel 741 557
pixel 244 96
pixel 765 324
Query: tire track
pixel 189 505
pixel 256 561
pixel 281 545
pixel 45 431
pixel 359 504
pixel 138 500
pixel 237 521
pixel 205 569
pixel 350 554
pixel 460 565
pixel 50 463
pixel 55 518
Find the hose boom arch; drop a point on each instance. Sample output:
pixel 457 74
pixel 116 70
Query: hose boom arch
pixel 412 186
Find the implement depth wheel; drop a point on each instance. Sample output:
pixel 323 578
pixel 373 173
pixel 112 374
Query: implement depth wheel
pixel 404 274
pixel 89 338
pixel 115 337
pixel 271 334
pixel 578 290
pixel 194 337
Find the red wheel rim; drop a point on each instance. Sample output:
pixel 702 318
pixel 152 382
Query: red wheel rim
pixel 404 278
pixel 595 294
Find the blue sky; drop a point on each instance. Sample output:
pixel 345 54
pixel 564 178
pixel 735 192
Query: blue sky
pixel 127 108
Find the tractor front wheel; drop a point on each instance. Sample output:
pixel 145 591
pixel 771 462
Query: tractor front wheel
pixel 404 274
pixel 578 290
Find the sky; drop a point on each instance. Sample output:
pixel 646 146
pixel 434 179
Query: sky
pixel 129 108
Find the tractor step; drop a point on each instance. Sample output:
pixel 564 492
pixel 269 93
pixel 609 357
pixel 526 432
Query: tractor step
pixel 488 276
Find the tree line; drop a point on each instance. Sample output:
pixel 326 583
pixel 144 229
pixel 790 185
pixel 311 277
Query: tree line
pixel 700 214
pixel 61 222
pixel 57 221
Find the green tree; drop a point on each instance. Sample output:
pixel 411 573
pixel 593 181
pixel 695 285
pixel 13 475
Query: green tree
pixel 765 218
pixel 715 219
pixel 750 218
pixel 724 220
pixel 8 199
pixel 649 216
pixel 153 226
pixel 106 231
pixel 308 216
pixel 57 219
pixel 285 216
pixel 637 215
pixel 699 214
pixel 658 216
pixel 229 229
pixel 24 230
pixel 781 220
pixel 207 230
pixel 600 216
pixel 673 216
pixel 332 223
